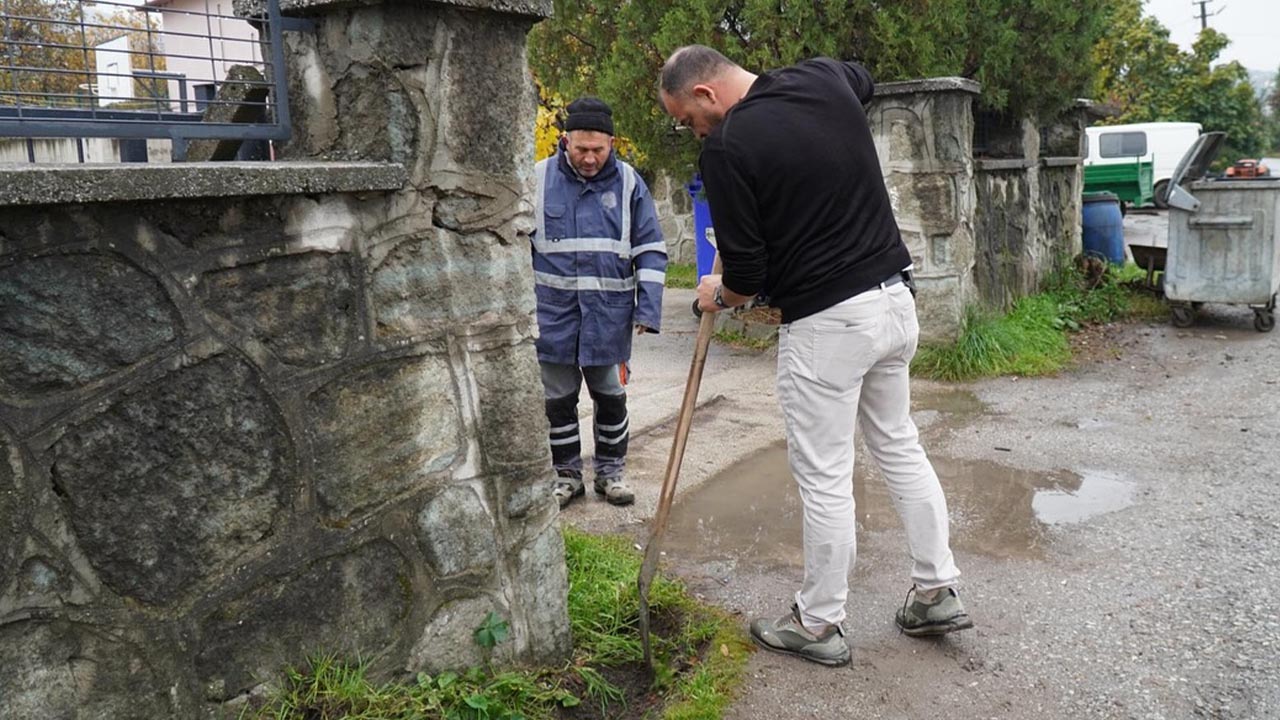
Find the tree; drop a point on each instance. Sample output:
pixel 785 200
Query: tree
pixel 35 33
pixel 1273 120
pixel 1032 56
pixel 1273 99
pixel 1151 80
pixel 51 42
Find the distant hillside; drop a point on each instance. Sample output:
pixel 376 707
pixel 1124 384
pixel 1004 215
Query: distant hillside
pixel 1263 81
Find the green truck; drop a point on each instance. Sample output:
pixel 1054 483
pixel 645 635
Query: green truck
pixel 1132 182
pixel 1137 160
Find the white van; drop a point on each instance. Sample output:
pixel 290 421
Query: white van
pixel 1161 143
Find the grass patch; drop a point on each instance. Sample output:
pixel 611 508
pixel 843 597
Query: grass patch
pixel 699 651
pixel 329 688
pixel 700 654
pixel 1031 339
pixel 682 275
pixel 739 339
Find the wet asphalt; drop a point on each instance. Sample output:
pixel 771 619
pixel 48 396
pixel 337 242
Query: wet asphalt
pixel 1117 526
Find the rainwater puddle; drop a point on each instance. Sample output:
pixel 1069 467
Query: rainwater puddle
pixel 752 510
pixel 940 410
pixel 961 405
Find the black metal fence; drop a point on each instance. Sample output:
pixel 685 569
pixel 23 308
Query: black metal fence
pixel 176 69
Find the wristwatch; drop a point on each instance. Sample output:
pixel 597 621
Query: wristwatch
pixel 718 298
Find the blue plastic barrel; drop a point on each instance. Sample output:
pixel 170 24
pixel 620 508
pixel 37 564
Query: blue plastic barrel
pixel 706 252
pixel 1103 227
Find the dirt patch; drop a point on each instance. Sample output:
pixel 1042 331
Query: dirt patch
pixel 761 316
pixel 1095 344
pixel 635 681
pixel 636 684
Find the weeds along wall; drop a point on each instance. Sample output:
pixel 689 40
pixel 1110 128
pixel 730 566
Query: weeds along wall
pixel 249 412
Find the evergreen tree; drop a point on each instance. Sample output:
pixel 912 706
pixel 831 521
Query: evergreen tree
pixel 1032 56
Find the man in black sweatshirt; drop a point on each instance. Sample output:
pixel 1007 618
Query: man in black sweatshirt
pixel 802 215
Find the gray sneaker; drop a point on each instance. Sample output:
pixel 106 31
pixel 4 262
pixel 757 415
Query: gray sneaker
pixel 568 486
pixel 788 635
pixel 944 614
pixel 615 490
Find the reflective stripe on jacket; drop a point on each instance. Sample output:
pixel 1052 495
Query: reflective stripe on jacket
pixel 599 262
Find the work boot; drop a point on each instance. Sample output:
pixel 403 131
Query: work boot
pixel 615 490
pixel 943 614
pixel 568 486
pixel 789 636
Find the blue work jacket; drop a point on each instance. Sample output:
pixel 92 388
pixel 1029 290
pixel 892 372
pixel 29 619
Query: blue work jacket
pixel 599 262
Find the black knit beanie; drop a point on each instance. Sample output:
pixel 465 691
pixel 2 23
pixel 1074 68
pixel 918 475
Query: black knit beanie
pixel 589 113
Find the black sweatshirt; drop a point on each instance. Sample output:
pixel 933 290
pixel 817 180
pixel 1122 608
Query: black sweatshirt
pixel 798 203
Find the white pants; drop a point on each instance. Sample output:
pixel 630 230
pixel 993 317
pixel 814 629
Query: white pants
pixel 844 365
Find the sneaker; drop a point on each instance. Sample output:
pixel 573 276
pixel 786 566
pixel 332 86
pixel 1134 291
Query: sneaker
pixel 568 486
pixel 788 635
pixel 615 490
pixel 943 614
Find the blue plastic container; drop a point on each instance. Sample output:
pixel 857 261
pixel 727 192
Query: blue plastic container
pixel 706 252
pixel 1103 227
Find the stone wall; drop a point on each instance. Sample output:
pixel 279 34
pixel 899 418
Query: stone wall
pixel 675 212
pixel 252 412
pixel 1027 218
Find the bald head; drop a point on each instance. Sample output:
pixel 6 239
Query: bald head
pixel 699 86
pixel 693 65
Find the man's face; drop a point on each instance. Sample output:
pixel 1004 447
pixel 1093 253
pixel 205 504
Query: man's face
pixel 697 110
pixel 588 151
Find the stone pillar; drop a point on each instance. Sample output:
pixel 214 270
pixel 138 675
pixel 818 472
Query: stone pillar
pixel 444 89
pixel 924 137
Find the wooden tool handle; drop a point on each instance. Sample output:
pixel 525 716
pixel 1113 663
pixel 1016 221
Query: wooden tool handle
pixel 706 328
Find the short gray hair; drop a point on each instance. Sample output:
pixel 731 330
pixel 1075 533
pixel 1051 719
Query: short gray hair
pixel 690 65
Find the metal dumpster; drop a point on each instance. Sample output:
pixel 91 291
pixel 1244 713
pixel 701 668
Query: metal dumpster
pixel 1222 239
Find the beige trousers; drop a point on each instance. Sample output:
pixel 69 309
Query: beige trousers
pixel 839 369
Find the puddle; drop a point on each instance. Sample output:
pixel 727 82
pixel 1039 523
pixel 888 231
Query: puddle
pixel 752 510
pixel 940 410
pixel 1097 493
pixel 960 404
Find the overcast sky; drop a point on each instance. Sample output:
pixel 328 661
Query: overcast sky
pixel 1252 25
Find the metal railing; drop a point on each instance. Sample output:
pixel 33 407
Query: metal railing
pixel 83 69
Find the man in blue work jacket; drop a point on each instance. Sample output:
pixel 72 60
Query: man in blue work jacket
pixel 599 266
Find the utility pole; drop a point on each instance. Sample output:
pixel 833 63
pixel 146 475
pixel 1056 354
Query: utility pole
pixel 1204 13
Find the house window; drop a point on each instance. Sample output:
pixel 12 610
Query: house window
pixel 1126 144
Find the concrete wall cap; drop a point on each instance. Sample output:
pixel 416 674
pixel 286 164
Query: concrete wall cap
pixel 929 85
pixel 55 184
pixel 1004 164
pixel 1060 161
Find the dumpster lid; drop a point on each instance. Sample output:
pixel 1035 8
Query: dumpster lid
pixel 1193 166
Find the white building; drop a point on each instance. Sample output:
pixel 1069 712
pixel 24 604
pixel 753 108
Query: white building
pixel 202 39
pixel 114 71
